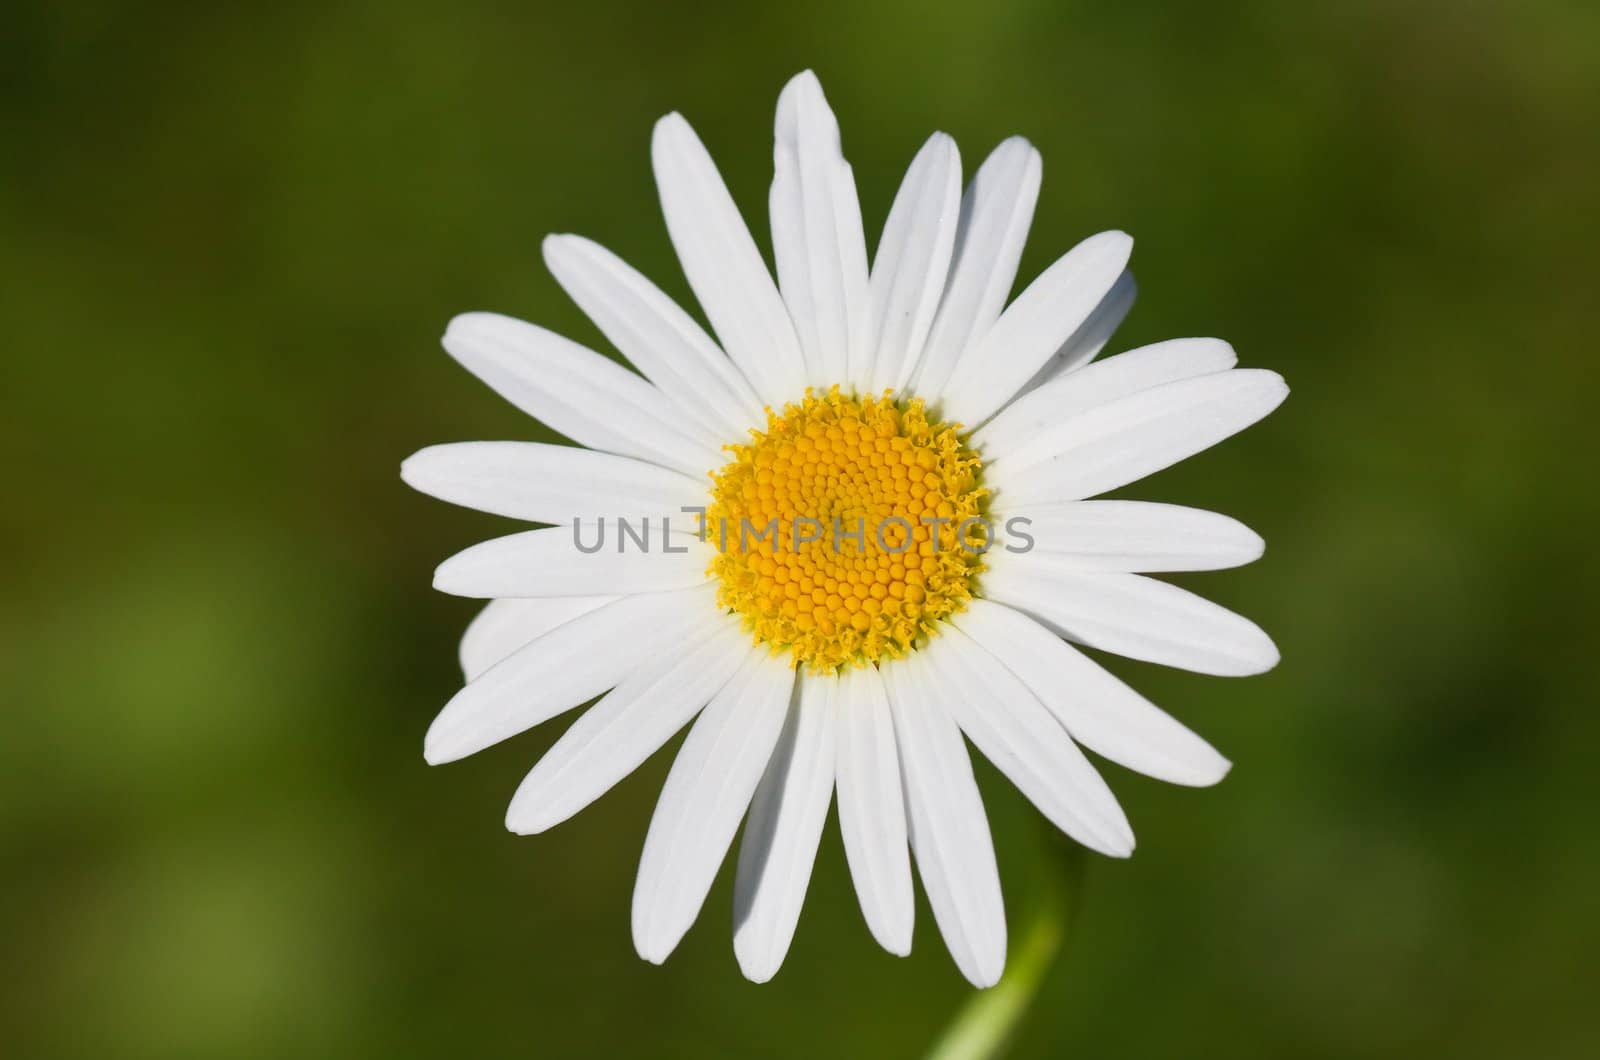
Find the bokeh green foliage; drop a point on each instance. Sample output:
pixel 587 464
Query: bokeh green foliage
pixel 229 238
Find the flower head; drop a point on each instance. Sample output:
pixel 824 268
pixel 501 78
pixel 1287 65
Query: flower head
pixel 850 530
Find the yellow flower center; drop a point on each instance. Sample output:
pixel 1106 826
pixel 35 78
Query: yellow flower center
pixel 841 530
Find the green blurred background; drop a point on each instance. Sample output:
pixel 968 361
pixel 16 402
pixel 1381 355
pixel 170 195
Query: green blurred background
pixel 230 237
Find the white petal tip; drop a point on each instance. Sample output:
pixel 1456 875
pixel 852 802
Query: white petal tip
pixel 1252 667
pixel 899 947
pixel 557 243
pixel 938 149
pixel 651 940
pixel 673 124
pixel 409 468
pixel 1113 243
pixel 460 576
pixel 984 978
pixel 1252 654
pixel 1266 658
pixel 418 469
pixel 1273 386
pixel 442 579
pixel 445 741
pixel 436 751
pixel 653 950
pixel 804 79
pixel 525 828
pixel 756 967
pixel 562 254
pixel 522 818
pixel 894 935
pixel 1252 545
pixel 465 323
pixel 1114 840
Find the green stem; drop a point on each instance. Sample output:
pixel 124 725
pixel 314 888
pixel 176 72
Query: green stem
pixel 989 1020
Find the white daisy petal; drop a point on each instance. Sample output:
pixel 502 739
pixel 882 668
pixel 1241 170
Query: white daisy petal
pixel 948 827
pixel 548 561
pixel 872 814
pixel 1136 536
pixel 627 726
pixel 564 667
pixel 1122 442
pixel 991 370
pixel 1026 743
pixel 1098 710
pixel 549 483
pixel 817 238
pixel 912 264
pixel 782 832
pixel 503 626
pixel 705 795
pixel 590 399
pixel 1092 335
pixel 723 265
pixel 1012 430
pixel 652 331
pixel 1131 615
pixel 995 214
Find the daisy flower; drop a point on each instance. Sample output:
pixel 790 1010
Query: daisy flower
pixel 849 531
